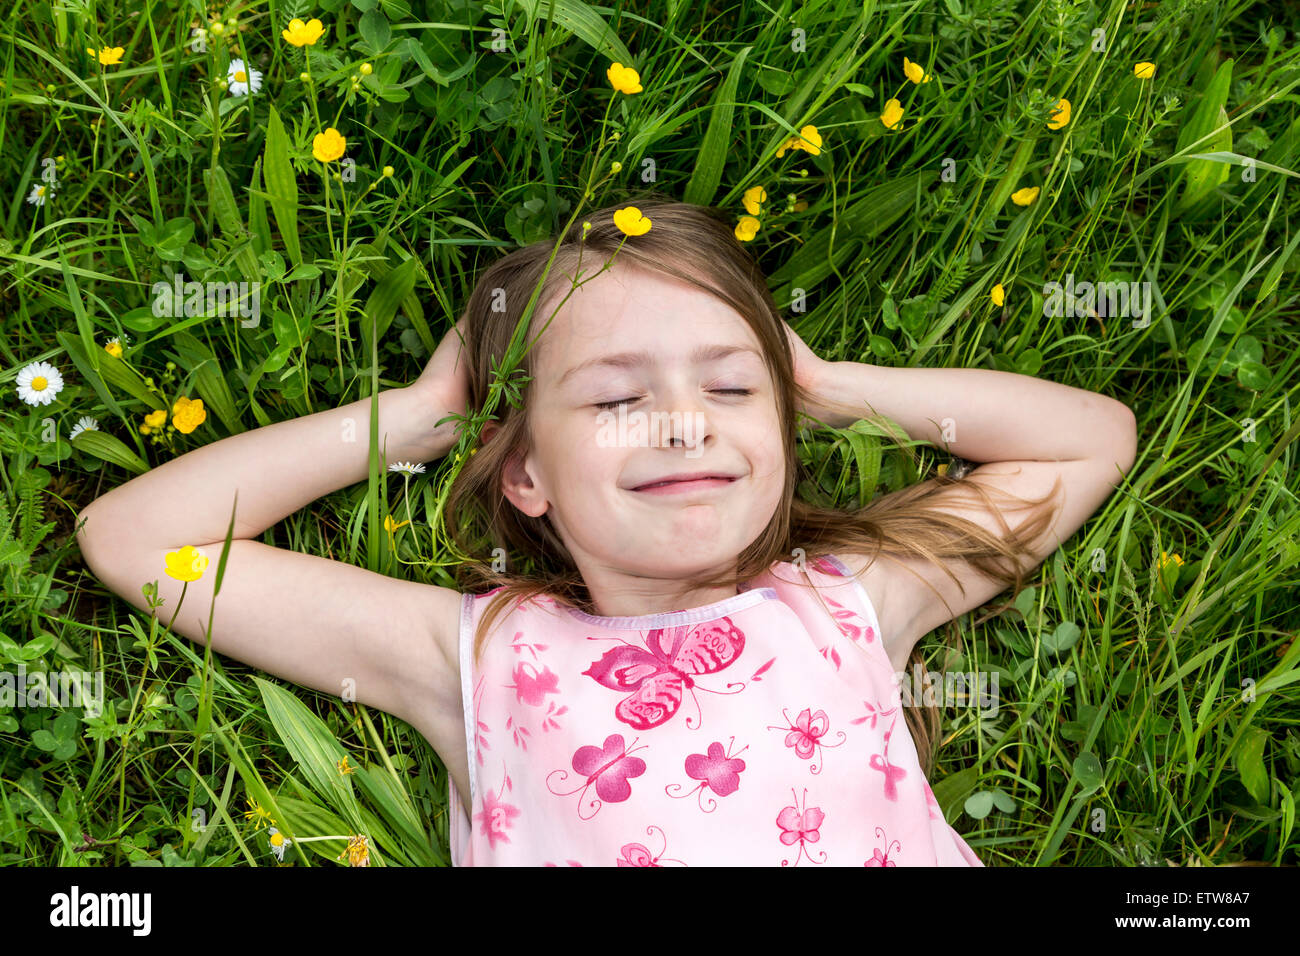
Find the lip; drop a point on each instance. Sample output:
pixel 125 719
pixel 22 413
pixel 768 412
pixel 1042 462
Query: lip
pixel 686 482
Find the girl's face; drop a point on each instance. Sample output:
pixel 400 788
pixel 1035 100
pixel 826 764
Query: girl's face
pixel 696 400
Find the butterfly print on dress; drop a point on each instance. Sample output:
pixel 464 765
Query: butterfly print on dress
pixel 634 854
pixel 893 773
pixel 882 859
pixel 719 772
pixel 494 819
pixel 805 734
pixel 800 826
pixel 656 677
pixel 530 686
pixel 608 767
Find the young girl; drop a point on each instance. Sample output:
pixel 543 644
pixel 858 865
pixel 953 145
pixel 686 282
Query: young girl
pixel 692 666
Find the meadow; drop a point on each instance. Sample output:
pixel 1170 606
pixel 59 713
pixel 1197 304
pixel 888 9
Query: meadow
pixel 217 218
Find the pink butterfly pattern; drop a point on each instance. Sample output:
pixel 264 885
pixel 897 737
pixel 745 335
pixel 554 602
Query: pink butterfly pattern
pixel 634 854
pixel 805 734
pixel 658 676
pixel 882 859
pixel 608 768
pixel 800 826
pixel 719 772
pixel 531 687
pixel 893 773
pixel 496 816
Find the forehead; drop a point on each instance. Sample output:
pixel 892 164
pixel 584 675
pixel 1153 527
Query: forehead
pixel 635 310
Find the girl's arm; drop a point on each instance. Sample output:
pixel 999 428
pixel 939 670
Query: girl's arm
pixel 308 619
pixel 1030 432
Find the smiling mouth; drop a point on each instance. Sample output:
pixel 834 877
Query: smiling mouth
pixel 681 485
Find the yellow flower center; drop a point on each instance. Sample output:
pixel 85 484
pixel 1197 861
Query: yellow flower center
pixel 40 190
pixel 241 76
pixel 39 383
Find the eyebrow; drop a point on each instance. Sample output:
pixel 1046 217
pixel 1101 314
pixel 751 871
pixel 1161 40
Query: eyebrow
pixel 625 360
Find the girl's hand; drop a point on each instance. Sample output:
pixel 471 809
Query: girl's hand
pixel 808 368
pixel 445 380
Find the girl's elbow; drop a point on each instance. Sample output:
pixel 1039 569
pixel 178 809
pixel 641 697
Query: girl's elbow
pixel 1126 438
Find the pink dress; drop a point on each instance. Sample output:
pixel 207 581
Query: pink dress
pixel 766 729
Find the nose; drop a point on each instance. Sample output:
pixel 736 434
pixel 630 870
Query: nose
pixel 683 420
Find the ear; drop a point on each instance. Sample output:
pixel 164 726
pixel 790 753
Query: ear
pixel 517 482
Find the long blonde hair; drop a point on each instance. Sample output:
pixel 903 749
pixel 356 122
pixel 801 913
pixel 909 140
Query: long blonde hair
pixel 479 519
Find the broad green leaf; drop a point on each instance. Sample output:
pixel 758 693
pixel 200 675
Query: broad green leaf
pixel 307 819
pixel 979 804
pixel 953 788
pixel 375 30
pixel 221 199
pixel 1088 771
pixel 311 744
pixel 712 156
pixel 1199 177
pixel 281 186
pixel 382 304
pixel 1248 756
pixel 110 449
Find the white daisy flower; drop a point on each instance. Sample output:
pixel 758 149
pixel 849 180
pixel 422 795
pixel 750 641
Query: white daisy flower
pixel 40 192
pixel 409 467
pixel 38 383
pixel 84 424
pixel 279 842
pixel 241 79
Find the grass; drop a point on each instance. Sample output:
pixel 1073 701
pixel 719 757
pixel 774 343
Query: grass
pixel 1148 677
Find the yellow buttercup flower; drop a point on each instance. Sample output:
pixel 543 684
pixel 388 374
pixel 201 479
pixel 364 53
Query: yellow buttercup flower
pixel 624 79
pixel 1060 115
pixel 746 228
pixel 630 221
pixel 1144 70
pixel 108 56
pixel 892 116
pixel 915 72
pixel 153 420
pixel 329 145
pixel 809 140
pixel 752 198
pixel 998 295
pixel 1023 197
pixel 303 34
pixel 1167 559
pixel 188 415
pixel 187 564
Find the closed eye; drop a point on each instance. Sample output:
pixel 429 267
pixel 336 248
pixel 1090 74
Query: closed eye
pixel 716 391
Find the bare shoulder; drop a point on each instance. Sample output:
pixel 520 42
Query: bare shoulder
pixel 895 612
